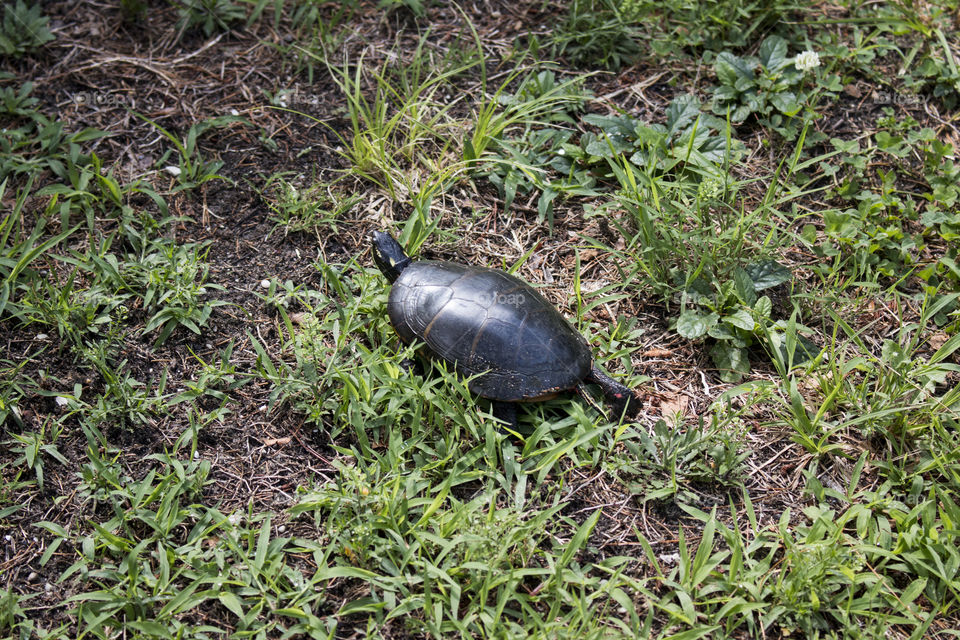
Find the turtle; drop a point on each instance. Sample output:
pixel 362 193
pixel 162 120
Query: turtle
pixel 493 328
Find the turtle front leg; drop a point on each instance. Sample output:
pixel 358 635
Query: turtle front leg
pixel 505 412
pixel 624 402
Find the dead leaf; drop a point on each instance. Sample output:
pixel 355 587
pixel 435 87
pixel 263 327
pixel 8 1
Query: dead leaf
pixel 589 254
pixel 657 353
pixel 938 339
pixel 301 318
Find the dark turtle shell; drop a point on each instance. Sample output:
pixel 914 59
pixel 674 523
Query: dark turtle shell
pixel 488 322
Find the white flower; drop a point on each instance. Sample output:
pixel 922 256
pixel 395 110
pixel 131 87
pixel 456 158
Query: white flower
pixel 806 61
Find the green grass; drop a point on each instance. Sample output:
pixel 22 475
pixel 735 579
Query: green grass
pixel 800 290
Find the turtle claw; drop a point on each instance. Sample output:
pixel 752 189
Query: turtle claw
pixel 505 412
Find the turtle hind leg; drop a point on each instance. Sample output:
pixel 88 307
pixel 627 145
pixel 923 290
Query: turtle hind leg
pixel 624 402
pixel 505 412
pixel 412 367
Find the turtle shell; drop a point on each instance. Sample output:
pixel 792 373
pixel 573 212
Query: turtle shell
pixel 488 322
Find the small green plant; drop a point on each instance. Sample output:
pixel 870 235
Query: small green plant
pixel 537 99
pixel 941 217
pixel 172 282
pixel 102 475
pixel 124 401
pixel 399 123
pixel 770 86
pixel 17 252
pixel 216 379
pixel 415 7
pixel 18 103
pixel 192 169
pixel 689 144
pixel 319 27
pixel 34 142
pixel 731 313
pixel 315 208
pixel 33 446
pixel 596 33
pixel 133 10
pixel 209 15
pixel 666 464
pixel 523 162
pixel 74 313
pixel 13 617
pixel 571 95
pixel 858 52
pixel 939 73
pixel 283 294
pixel 13 386
pixel 23 29
pixel 712 25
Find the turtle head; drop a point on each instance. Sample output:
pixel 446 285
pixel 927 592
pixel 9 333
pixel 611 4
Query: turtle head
pixel 388 255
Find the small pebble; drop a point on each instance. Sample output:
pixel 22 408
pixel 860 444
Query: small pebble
pixel 234 112
pixel 265 284
pixel 61 401
pixel 282 528
pixel 42 336
pixel 172 170
pixel 48 587
pixel 32 576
